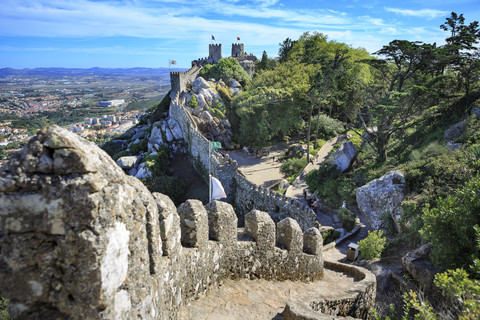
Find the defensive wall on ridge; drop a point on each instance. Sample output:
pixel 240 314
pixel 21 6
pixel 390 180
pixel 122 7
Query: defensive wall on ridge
pixel 80 239
pixel 244 195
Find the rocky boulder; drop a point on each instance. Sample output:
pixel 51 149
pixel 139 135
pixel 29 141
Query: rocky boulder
pixel 454 131
pixel 175 129
pixel 156 136
pixel 345 156
pixel 382 195
pixel 419 265
pixel 200 83
pixel 127 163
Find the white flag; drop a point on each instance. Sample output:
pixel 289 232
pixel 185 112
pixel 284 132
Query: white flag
pixel 217 189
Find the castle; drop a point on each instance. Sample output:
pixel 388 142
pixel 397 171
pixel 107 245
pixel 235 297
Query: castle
pixel 80 239
pixel 247 61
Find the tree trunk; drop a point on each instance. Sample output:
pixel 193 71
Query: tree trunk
pixel 381 143
pixel 316 131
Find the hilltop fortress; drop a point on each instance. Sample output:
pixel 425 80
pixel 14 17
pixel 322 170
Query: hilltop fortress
pixel 80 239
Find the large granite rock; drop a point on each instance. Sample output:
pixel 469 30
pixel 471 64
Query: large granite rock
pixel 127 162
pixel 175 129
pixel 382 195
pixel 345 156
pixel 156 136
pixel 199 84
pixel 419 265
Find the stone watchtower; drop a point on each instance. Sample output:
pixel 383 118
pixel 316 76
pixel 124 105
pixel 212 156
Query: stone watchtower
pixel 237 49
pixel 215 52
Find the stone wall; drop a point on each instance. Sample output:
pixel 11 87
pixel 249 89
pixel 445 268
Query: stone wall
pixel 357 302
pixel 249 196
pixel 179 79
pixel 82 240
pixel 244 195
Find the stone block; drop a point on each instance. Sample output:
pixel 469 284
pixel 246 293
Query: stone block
pixel 290 235
pixel 312 241
pixel 169 224
pixel 222 222
pixel 260 226
pixel 193 224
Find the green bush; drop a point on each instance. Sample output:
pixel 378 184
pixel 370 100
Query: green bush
pixel 158 163
pixel 172 186
pixel 4 315
pixel 293 166
pixel 330 236
pixel 193 101
pixel 450 226
pixel 137 148
pixel 347 218
pixel 225 69
pixel 328 127
pixel 112 148
pixel 372 246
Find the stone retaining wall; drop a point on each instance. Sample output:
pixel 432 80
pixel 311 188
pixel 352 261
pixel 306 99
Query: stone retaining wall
pixel 357 302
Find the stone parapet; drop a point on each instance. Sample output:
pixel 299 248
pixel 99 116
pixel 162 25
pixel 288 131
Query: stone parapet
pixel 357 302
pixel 82 240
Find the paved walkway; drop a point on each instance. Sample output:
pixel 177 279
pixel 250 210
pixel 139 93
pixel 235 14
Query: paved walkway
pixel 296 190
pixel 261 171
pixel 260 299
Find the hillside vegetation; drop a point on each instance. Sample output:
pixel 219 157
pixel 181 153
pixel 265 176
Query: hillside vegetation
pixel 401 100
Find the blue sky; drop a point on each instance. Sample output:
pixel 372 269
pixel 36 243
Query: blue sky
pixel 148 33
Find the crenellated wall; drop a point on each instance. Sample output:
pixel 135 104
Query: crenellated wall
pixel 180 79
pixel 82 240
pixel 243 194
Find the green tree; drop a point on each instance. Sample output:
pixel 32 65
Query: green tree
pixel 225 69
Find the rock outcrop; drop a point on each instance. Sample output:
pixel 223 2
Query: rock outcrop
pixel 419 265
pixel 382 195
pixel 345 156
pixel 454 131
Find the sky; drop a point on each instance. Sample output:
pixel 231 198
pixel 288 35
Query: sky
pixel 150 33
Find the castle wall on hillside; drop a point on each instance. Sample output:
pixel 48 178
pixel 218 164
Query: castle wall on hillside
pixel 80 239
pixel 180 79
pixel 243 194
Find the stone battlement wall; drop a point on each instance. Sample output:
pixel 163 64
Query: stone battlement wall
pixel 180 79
pixel 81 239
pixel 242 193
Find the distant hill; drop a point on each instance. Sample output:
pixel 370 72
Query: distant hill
pixel 55 72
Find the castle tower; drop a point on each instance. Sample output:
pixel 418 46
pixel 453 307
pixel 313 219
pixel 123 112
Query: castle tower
pixel 237 49
pixel 215 52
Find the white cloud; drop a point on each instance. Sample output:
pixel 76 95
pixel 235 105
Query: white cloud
pixel 422 13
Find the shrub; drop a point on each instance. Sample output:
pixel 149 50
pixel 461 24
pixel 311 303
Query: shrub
pixel 293 166
pixel 112 148
pixel 172 186
pixel 347 218
pixel 387 223
pixel 158 163
pixel 330 236
pixel 372 246
pixel 450 226
pixel 328 127
pixel 137 148
pixel 193 101
pixel 3 309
